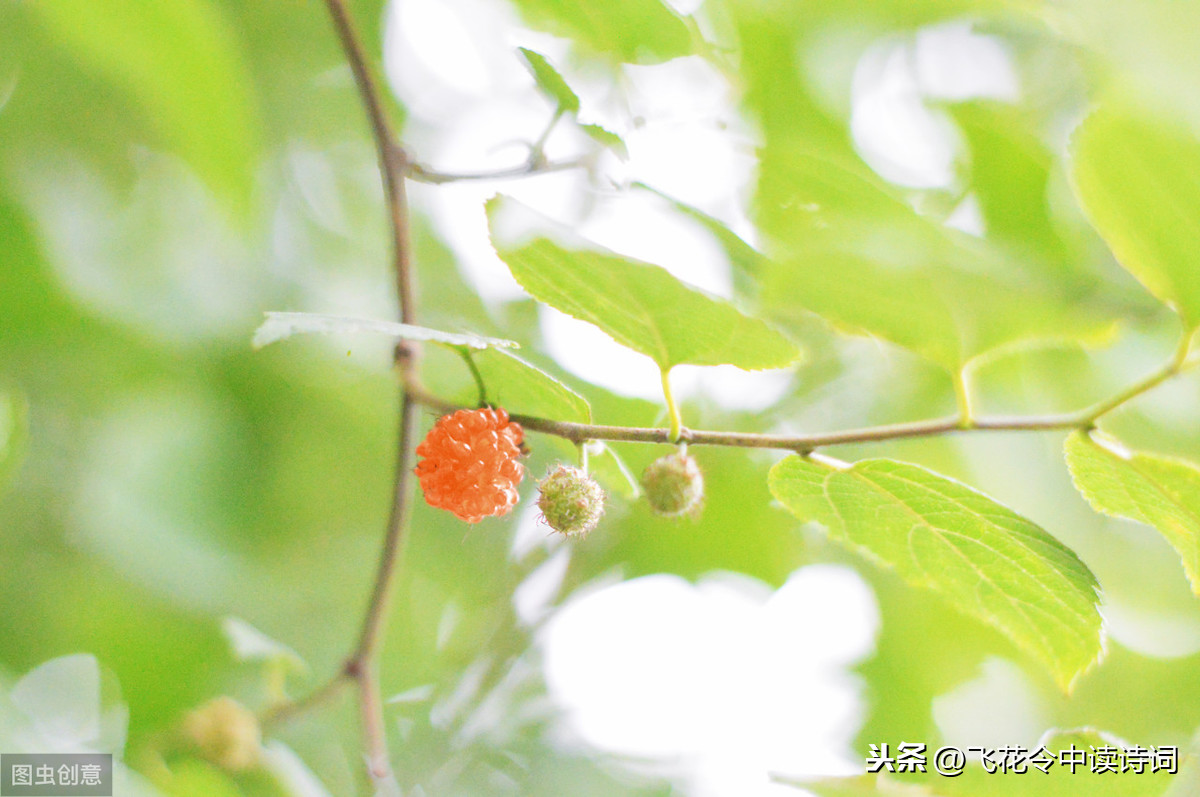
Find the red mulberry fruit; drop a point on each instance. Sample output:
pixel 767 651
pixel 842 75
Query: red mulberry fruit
pixel 470 464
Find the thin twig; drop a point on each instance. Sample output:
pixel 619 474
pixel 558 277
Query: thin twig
pixel 1177 364
pixel 284 712
pixel 424 174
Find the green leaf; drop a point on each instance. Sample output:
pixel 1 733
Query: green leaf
pixel 279 326
pixel 633 31
pixel 643 306
pixel 1139 181
pixel 1010 172
pixel 180 63
pixel 521 388
pixel 987 560
pixel 606 138
pixel 1159 491
pixel 550 81
pixel 846 245
pixel 850 249
pixel 864 786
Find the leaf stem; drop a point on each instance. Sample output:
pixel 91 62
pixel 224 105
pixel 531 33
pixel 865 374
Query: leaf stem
pixel 537 154
pixel 1176 365
pixel 676 433
pixel 478 377
pixel 962 394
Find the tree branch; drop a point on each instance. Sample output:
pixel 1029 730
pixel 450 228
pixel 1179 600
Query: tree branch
pixel 579 433
pixel 362 665
pixel 393 160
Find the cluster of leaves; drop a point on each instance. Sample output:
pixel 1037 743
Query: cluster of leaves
pixel 844 251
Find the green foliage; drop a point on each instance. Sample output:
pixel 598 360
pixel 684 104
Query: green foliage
pixel 549 81
pixel 1139 179
pixel 635 31
pixel 1011 169
pixel 857 254
pixel 13 435
pixel 180 64
pixel 937 533
pixel 525 389
pixel 606 138
pixel 1159 491
pixel 643 307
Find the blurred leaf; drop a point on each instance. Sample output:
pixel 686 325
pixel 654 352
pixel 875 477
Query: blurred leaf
pixel 845 244
pixel 550 81
pixel 1188 780
pixel 1010 170
pixel 296 779
pixel 525 389
pixel 279 326
pixel 13 434
pixel 250 644
pixel 68 701
pixel 937 533
pixel 606 138
pixel 644 307
pixel 1139 181
pixel 865 786
pixel 181 63
pixel 195 778
pixel 62 697
pixel 849 249
pixel 634 31
pixel 1158 491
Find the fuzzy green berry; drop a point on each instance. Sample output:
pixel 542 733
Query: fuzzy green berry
pixel 571 501
pixel 226 733
pixel 674 485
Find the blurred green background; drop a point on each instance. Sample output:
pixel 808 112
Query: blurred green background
pixel 170 171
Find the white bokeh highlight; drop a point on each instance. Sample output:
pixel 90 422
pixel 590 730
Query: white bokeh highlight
pixel 726 680
pixel 897 81
pixel 999 708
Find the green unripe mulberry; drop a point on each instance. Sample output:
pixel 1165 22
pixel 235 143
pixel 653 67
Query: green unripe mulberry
pixel 226 733
pixel 571 501
pixel 674 485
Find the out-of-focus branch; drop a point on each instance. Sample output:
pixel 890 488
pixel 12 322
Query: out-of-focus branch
pixel 423 174
pixel 362 665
